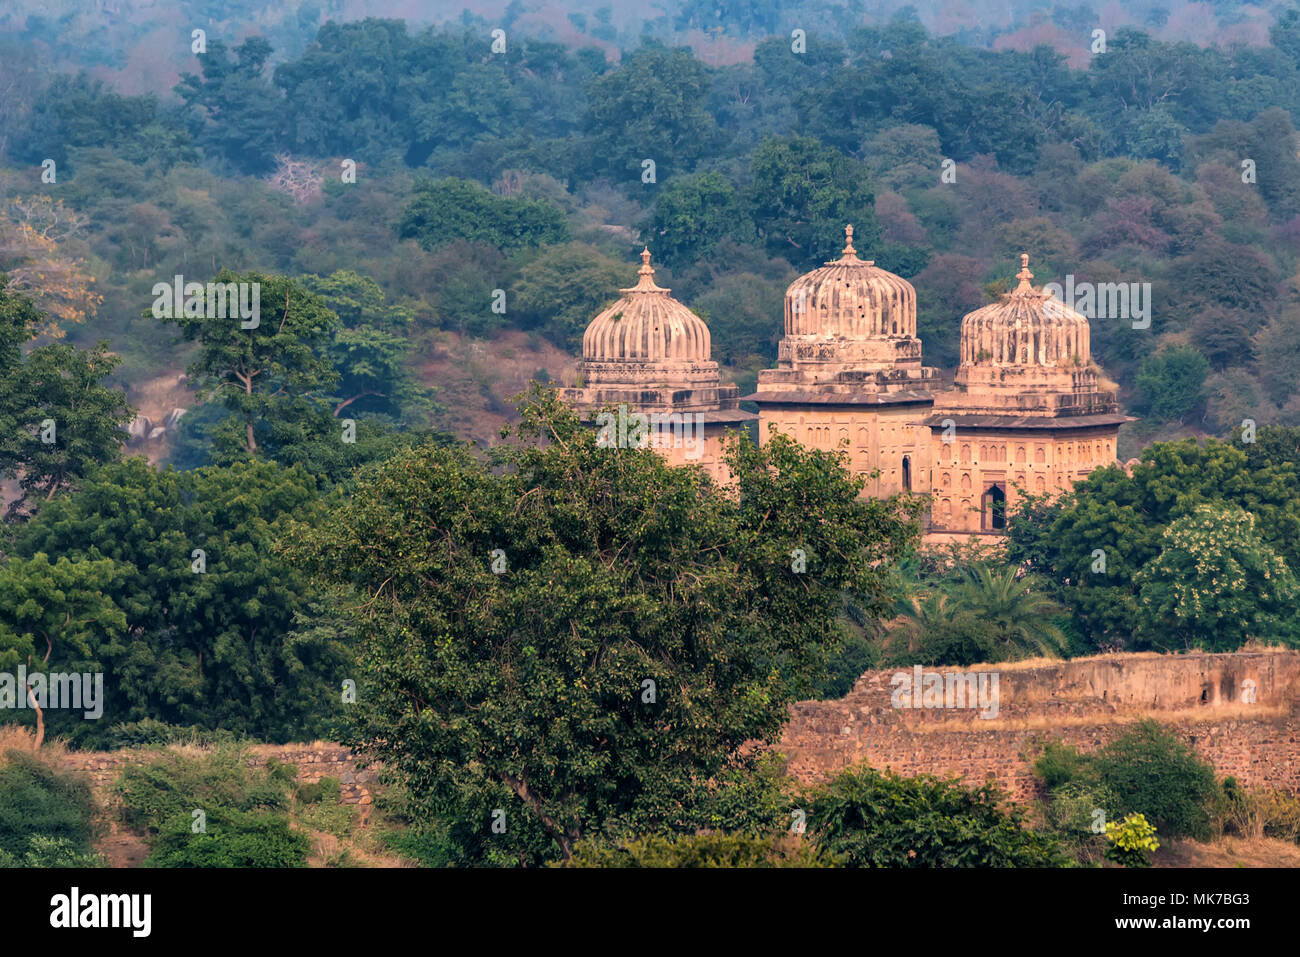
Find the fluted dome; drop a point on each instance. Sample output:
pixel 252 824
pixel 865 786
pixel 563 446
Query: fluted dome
pixel 1027 327
pixel 1028 354
pixel 646 325
pixel 850 298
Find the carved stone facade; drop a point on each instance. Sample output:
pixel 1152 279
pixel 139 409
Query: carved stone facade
pixel 849 373
pixel 648 356
pixel 1026 413
pixel 1026 410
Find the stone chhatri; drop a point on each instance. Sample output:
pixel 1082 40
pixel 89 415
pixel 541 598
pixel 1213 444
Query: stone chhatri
pixel 650 353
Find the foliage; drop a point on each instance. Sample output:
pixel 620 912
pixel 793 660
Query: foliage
pixel 986 613
pixel 1147 770
pixel 271 372
pixel 45 814
pixel 1216 585
pixel 48 852
pixel 802 196
pixel 244 820
pixel 563 288
pixel 1170 384
pixel 209 640
pixel 884 820
pixel 58 419
pixel 708 849
pixel 1130 841
pixel 693 214
pixel 1093 542
pixel 651 107
pixel 232 839
pixel 447 210
pixel 537 675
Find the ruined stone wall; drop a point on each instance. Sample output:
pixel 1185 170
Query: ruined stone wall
pixel 313 762
pixel 1087 702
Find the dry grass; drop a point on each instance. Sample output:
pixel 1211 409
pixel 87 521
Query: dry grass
pixel 1031 663
pixel 1228 852
pixel 1103 719
pixel 16 737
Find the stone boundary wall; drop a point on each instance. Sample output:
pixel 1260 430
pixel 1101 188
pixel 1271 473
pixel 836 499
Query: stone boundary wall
pixel 313 761
pixel 1087 702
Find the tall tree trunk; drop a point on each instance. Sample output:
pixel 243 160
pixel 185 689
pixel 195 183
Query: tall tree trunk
pixel 40 717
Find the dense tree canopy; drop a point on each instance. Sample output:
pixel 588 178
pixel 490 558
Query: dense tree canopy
pixel 587 638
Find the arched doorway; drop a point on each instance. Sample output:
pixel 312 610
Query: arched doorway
pixel 907 474
pixel 993 508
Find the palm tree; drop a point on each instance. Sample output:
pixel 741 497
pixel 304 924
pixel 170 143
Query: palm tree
pixel 1019 613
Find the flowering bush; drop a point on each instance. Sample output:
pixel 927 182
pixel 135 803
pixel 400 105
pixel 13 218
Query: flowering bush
pixel 1130 841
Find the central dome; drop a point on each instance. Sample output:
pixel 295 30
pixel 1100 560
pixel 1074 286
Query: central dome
pixel 646 325
pixel 850 298
pixel 1026 328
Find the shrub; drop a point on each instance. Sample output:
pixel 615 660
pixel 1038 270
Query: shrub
pixel 325 790
pixel 1152 773
pixel 1059 764
pixel 175 785
pixel 38 801
pixel 884 820
pixel 1263 812
pixel 45 851
pixel 709 849
pixel 1131 840
pixel 150 733
pixel 232 839
pixel 1071 813
pixel 429 846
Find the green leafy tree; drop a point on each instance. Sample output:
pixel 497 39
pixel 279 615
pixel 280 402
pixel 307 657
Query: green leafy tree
pixel 371 349
pixel 210 610
pixel 561 290
pixel 803 194
pixel 276 369
pixel 235 109
pixel 692 215
pixel 639 626
pixel 1215 585
pixel 1092 542
pixel 443 211
pixel 55 616
pixel 57 418
pixel 654 106
pixel 1171 384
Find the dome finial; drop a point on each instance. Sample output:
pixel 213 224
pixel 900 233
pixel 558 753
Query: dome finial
pixel 646 282
pixel 848 241
pixel 1024 275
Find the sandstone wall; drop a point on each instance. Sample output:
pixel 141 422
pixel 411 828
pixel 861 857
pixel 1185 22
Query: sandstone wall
pixel 1086 702
pixel 313 762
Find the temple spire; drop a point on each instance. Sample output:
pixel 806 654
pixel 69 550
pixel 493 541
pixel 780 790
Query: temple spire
pixel 646 274
pixel 1024 276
